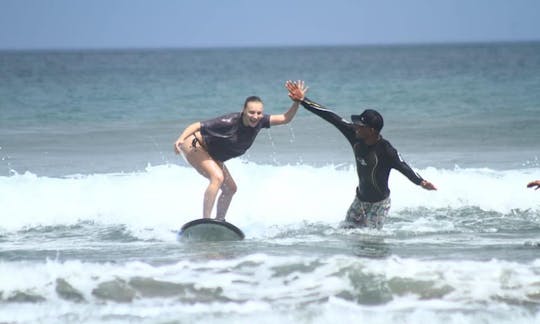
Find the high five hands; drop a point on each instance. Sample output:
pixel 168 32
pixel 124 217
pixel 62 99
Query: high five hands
pixel 297 90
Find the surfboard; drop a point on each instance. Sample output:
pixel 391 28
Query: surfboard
pixel 206 229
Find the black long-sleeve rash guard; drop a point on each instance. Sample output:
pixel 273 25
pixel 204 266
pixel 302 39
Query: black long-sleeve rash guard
pixel 373 162
pixel 226 137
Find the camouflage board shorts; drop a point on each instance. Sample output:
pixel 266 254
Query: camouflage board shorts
pixel 367 214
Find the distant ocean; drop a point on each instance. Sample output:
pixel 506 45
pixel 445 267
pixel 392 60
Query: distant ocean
pixel 92 194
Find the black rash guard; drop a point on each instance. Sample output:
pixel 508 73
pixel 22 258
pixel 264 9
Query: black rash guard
pixel 226 137
pixel 373 162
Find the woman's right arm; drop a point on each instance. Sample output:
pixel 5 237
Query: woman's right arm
pixel 191 129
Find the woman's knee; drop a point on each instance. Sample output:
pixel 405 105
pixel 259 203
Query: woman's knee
pixel 217 178
pixel 229 188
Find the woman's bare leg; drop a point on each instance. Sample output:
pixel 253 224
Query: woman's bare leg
pixel 228 189
pixel 209 168
pixel 215 176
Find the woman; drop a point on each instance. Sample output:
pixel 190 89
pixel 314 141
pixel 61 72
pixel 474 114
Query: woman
pixel 208 144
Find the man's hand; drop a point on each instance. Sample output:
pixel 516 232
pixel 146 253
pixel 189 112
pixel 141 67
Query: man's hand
pixel 297 90
pixel 533 184
pixel 427 185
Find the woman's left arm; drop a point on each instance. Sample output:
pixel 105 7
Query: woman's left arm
pixel 286 117
pixel 300 90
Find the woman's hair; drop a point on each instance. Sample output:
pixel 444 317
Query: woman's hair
pixel 252 99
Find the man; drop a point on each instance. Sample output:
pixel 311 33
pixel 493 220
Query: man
pixel 374 155
pixel 534 184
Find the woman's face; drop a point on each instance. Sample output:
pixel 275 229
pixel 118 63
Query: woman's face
pixel 253 113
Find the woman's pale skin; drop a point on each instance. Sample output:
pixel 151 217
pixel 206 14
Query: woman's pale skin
pixel 216 171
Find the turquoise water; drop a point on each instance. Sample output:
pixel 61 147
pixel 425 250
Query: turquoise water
pixel 91 193
pixel 470 105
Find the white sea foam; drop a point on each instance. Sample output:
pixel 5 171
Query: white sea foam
pixel 166 196
pixel 262 283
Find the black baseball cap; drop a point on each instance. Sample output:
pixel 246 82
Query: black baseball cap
pixel 370 118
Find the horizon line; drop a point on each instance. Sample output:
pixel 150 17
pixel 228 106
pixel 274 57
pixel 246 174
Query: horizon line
pixel 265 46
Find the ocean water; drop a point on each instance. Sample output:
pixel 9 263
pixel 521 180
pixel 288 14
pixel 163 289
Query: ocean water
pixel 92 195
